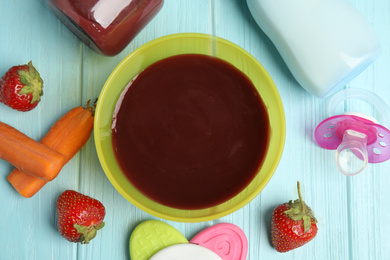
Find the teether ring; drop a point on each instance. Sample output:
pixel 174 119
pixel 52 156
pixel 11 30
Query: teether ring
pixel 157 240
pixel 227 240
pixel 152 236
pixel 357 139
pixel 187 252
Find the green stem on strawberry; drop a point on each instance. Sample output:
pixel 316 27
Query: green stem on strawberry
pixel 88 233
pixel 303 208
pixel 32 81
pixel 300 211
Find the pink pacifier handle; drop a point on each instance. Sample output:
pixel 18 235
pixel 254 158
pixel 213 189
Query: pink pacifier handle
pixel 329 134
pixel 225 239
pixel 357 134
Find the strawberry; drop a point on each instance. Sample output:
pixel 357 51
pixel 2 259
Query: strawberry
pixel 293 225
pixel 21 87
pixel 79 217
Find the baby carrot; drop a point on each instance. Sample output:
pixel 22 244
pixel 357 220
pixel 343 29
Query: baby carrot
pixel 26 184
pixel 29 155
pixel 68 135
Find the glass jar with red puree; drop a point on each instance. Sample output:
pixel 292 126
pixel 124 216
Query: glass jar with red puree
pixel 106 26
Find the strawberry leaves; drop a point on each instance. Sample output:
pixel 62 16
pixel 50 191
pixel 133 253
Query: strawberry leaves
pixel 300 211
pixel 87 233
pixel 32 83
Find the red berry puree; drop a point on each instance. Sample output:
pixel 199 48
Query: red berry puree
pixel 106 26
pixel 190 131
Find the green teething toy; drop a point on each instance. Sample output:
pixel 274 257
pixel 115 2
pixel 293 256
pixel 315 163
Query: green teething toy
pixel 151 236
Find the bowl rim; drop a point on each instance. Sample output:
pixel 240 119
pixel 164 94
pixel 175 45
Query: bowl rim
pixel 212 216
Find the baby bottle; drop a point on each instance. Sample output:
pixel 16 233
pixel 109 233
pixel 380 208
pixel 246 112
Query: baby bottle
pixel 105 26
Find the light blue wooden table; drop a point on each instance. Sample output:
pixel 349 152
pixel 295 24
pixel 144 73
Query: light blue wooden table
pixel 353 212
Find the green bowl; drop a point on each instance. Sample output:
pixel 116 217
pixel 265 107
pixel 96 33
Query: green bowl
pixel 164 47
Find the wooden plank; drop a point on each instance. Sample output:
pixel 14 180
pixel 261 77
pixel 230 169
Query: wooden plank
pixel 328 192
pixel 351 210
pixel 368 192
pixel 122 217
pixel 31 32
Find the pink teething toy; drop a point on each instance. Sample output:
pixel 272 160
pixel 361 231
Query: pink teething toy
pixel 154 239
pixel 356 138
pixel 226 240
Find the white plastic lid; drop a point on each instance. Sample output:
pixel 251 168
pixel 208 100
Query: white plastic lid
pixel 185 252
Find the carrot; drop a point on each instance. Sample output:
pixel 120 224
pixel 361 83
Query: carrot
pixel 29 155
pixel 68 135
pixel 26 184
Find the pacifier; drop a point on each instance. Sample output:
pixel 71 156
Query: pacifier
pixel 358 138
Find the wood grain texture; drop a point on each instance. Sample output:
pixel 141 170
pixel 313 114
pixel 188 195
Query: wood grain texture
pixel 351 210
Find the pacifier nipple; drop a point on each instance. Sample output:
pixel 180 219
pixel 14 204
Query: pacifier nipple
pixel 351 154
pixel 358 139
